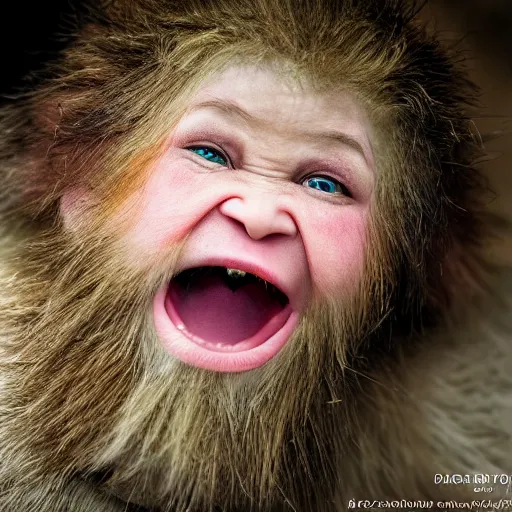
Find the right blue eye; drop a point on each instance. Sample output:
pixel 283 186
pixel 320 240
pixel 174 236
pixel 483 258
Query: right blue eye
pixel 327 185
pixel 209 154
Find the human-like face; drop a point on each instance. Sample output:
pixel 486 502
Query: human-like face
pixel 263 176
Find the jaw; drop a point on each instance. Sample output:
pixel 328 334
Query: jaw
pixel 224 324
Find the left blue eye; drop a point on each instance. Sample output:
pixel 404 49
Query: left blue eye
pixel 209 154
pixel 328 185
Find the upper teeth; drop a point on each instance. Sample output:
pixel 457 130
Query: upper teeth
pixel 234 272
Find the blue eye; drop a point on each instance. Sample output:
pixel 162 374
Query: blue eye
pixel 209 154
pixel 328 185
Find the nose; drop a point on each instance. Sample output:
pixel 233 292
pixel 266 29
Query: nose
pixel 261 214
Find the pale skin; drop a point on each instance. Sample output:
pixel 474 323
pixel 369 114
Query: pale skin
pixel 268 176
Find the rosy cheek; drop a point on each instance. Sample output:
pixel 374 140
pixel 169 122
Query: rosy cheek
pixel 335 245
pixel 167 207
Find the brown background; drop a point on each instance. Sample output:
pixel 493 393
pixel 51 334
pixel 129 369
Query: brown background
pixel 483 29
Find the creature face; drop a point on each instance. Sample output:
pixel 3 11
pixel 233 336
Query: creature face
pixel 268 184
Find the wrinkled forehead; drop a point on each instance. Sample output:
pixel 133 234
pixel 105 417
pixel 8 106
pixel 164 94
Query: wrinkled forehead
pixel 266 97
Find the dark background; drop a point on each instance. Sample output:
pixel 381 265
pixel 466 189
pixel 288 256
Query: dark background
pixel 30 34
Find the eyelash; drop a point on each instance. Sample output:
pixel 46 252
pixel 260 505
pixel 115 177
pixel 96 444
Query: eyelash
pixel 344 190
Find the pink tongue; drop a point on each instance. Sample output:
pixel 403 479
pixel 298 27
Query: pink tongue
pixel 213 312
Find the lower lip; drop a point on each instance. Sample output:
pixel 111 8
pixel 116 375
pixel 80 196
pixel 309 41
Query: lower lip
pixel 243 356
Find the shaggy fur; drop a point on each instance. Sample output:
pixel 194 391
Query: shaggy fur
pixel 370 398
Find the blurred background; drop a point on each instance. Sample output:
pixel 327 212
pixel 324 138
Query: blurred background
pixel 35 32
pixel 483 29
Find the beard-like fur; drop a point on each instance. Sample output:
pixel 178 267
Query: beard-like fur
pixel 89 392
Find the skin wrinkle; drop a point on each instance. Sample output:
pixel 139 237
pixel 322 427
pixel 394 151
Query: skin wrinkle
pixel 232 109
pixel 235 146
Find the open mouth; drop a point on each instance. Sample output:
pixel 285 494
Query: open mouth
pixel 227 319
pixel 225 309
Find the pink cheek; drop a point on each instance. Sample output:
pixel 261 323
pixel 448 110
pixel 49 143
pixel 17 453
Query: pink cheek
pixel 168 206
pixel 335 245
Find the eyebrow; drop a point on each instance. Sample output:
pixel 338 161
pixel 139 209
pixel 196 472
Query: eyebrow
pixel 235 110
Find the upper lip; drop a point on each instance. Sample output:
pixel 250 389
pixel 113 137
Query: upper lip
pixel 252 268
